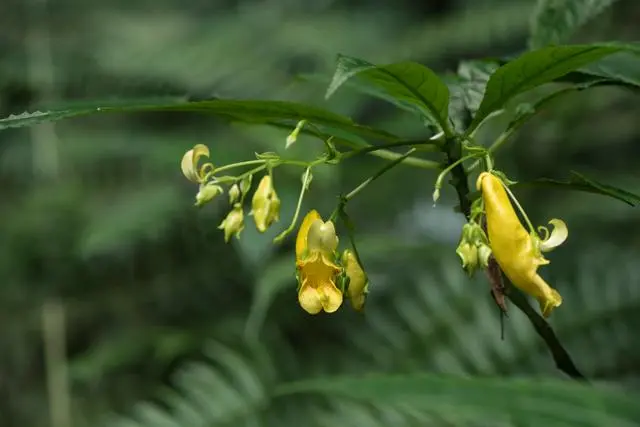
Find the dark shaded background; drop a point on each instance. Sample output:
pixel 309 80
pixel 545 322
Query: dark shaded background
pixel 98 223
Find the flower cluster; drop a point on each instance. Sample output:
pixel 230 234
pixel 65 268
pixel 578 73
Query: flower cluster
pixel 265 204
pixel 325 276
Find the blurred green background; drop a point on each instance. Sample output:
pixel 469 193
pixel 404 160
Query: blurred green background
pixel 103 253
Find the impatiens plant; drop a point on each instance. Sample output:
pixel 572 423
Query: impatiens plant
pixel 498 236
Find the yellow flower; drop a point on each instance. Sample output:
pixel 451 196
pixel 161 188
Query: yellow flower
pixel 233 223
pixel 265 205
pixel 190 161
pixel 357 289
pixel 315 262
pixel 517 252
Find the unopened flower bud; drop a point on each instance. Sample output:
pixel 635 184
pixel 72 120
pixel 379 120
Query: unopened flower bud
pixel 468 254
pixel 358 283
pixel 207 193
pixel 233 224
pixel 234 193
pixel 245 184
pixel 484 253
pixel 265 205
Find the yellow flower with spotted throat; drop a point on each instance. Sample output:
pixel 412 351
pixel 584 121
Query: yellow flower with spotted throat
pixel 316 245
pixel 518 252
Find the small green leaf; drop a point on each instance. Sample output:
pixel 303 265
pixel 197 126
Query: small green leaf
pixel 536 68
pixel 408 85
pixel 485 401
pixel 474 76
pixel 251 111
pixel 579 182
pixel 555 21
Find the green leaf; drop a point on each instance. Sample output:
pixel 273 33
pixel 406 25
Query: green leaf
pixel 579 182
pixel 536 68
pixel 474 76
pixel 532 402
pixel 252 111
pixel 555 21
pixel 621 69
pixel 408 85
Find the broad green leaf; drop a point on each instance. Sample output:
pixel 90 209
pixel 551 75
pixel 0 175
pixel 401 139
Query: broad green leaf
pixel 618 69
pixel 408 85
pixel 534 69
pixel 579 182
pixel 253 111
pixel 533 402
pixel 555 21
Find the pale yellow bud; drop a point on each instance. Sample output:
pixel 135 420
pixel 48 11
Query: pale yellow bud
pixel 265 205
pixel 234 193
pixel 207 193
pixel 233 224
pixel 358 283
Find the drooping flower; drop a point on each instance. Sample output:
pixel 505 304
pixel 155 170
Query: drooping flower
pixel 316 244
pixel 518 252
pixel 358 283
pixel 233 224
pixel 265 205
pixel 189 164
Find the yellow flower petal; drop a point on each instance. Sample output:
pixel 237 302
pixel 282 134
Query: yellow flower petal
pixel 513 248
pixel 303 231
pixel 317 276
pixel 189 163
pixel 547 297
pixel 558 235
pixel 309 299
pixel 326 297
pixel 322 236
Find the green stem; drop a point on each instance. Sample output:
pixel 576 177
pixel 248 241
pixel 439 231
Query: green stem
pixel 238 165
pixel 364 150
pixel 351 233
pixel 312 130
pixel 519 206
pixel 458 175
pixel 375 176
pixel 306 179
